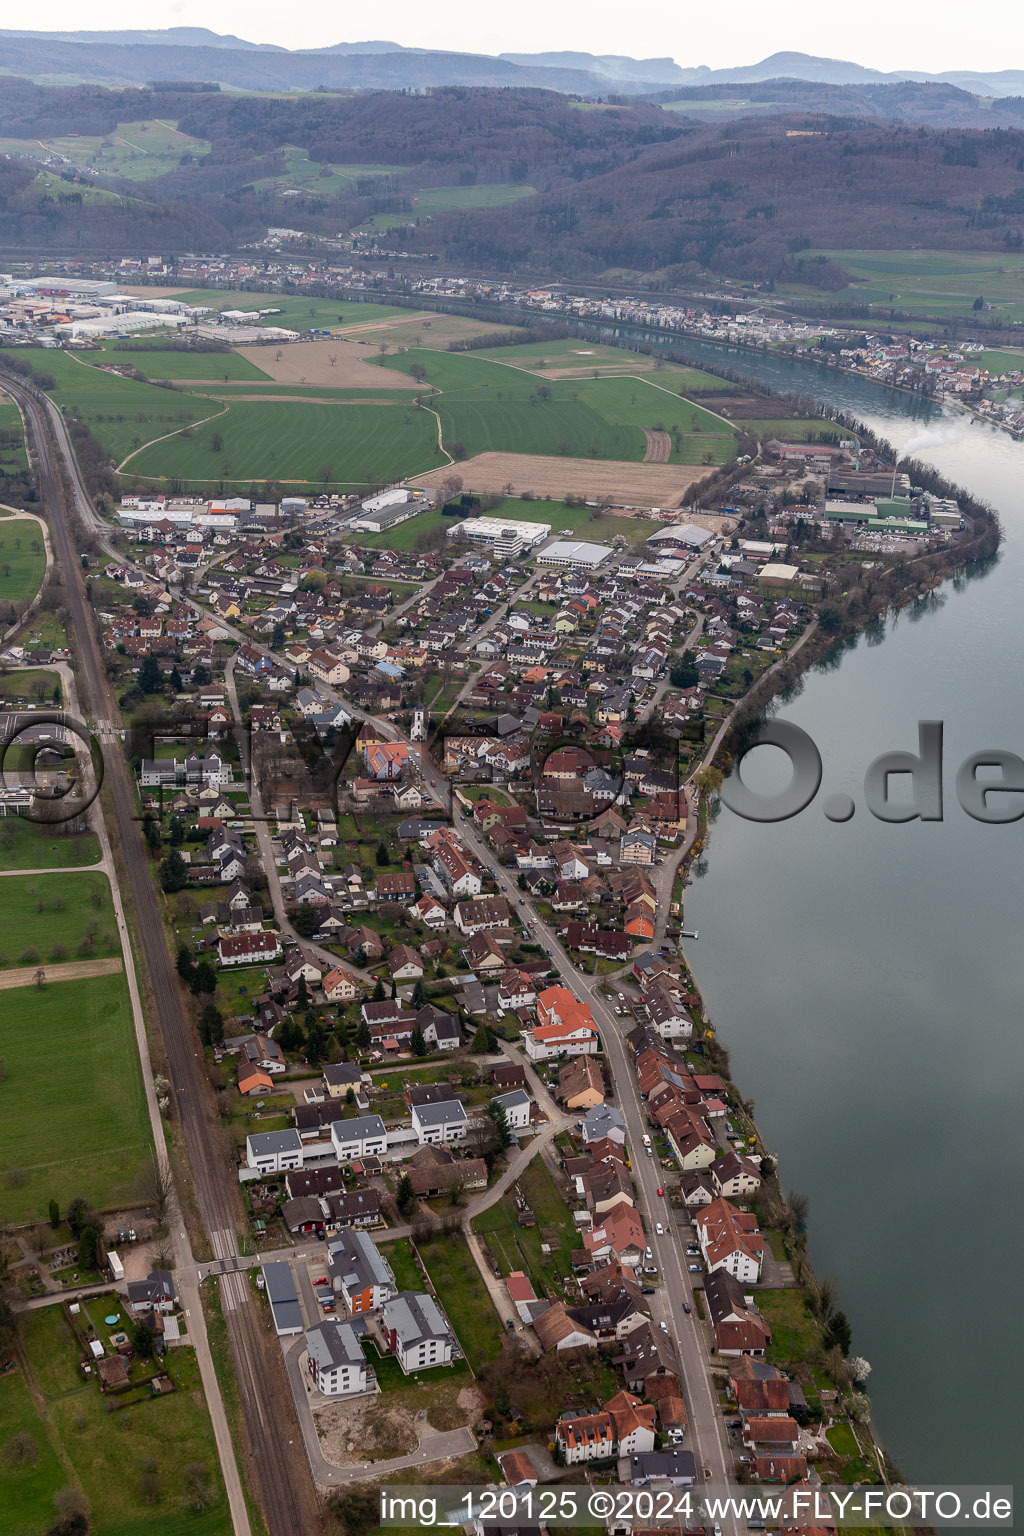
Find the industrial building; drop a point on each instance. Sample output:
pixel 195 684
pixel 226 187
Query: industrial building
pixel 505 537
pixel 575 553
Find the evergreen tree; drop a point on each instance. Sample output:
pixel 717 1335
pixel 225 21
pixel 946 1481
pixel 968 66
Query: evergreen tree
pixel 211 1025
pixel 150 679
pixel 173 872
pixel 54 1214
pixel 417 1044
pixel 378 992
pixel 382 854
pixel 185 963
pixel 482 1043
pixel 301 995
pixel 176 684
pixel 204 978
pixel 419 994
pixel 499 1119
pixel 405 1195
pixel 363 1035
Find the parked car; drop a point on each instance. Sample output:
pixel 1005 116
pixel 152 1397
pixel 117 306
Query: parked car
pixel 687 1308
pixel 660 1190
pixel 694 1269
pixel 692 1248
pixel 648 1290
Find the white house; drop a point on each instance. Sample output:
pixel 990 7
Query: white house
pixel 517 1106
pixel 364 1136
pixel 274 1151
pixel 440 1123
pixel 335 1360
pixel 415 1331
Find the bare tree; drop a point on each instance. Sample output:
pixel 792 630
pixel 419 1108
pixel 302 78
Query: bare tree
pixel 157 1188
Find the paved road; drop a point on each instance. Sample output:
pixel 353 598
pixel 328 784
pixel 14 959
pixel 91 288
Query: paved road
pixel 286 1494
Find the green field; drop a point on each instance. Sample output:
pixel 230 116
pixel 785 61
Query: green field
pixel 297 311
pixel 540 356
pixel 997 362
pixel 79 1443
pixel 433 200
pixel 136 151
pixel 933 282
pixel 464 1297
pixel 518 1247
pixel 74 1119
pixel 160 363
pixel 486 406
pixel 122 412
pixel 51 184
pixel 302 174
pixel 22 558
pixel 26 845
pixel 579 521
pixel 12 454
pixel 319 443
pixel 48 918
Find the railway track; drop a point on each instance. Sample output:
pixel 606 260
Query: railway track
pixel 276 1469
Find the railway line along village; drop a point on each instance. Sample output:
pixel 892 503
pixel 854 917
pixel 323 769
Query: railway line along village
pixel 396 555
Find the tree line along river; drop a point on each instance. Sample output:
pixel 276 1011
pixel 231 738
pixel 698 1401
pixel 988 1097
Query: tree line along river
pixel 868 978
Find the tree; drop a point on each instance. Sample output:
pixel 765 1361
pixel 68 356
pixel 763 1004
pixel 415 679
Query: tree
pixel 302 995
pixel 185 963
pixel 417 1044
pixel 77 1215
pixel 499 1119
pixel 204 979
pixel 316 1043
pixel 142 1341
pixel 278 638
pixel 363 1035
pixel 89 1247
pixel 175 680
pixel 173 872
pixel 72 1514
pixel 419 994
pixel 482 1043
pixel 405 1195
pixel 859 1369
pixel 378 992
pixel 708 780
pixel 211 1025
pixel 199 1491
pixel 305 919
pixel 839 1332
pixel 150 679
pixel 54 1214
pixel 357 1513
pixel 684 674
pixel 157 1188
pixel 382 855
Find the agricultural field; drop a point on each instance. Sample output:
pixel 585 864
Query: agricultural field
pixel 487 407
pixel 71 1044
pixel 333 363
pixel 137 151
pixel 12 440
pixel 434 200
pixel 573 358
pixel 122 412
pixel 164 363
pixel 49 918
pixel 311 443
pixel 295 311
pixel 422 328
pixel 22 558
pixel 933 282
pixel 1000 361
pixel 624 483
pixel 131 1466
pixel 53 185
pixel 301 174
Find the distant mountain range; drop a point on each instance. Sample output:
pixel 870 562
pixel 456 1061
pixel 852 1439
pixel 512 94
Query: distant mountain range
pixel 194 53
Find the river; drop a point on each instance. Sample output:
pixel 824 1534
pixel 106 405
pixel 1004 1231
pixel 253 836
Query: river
pixel 868 979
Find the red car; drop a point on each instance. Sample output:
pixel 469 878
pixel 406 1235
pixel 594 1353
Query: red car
pixel 661 1191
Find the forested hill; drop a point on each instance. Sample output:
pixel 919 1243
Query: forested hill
pixel 499 180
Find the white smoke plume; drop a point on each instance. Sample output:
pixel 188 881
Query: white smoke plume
pixel 933 437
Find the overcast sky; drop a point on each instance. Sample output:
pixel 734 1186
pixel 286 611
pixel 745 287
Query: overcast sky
pixel 933 36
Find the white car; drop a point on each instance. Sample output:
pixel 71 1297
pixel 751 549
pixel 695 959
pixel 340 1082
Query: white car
pixel 659 1229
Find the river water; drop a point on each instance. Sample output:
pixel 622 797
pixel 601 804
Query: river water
pixel 868 979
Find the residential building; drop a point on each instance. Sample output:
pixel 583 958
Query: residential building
pixel 359 1275
pixel 415 1331
pixel 440 1123
pixel 335 1360
pixel 729 1239
pixel 363 1136
pixel 274 1151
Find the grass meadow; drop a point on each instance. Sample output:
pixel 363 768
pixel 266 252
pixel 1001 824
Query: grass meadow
pixel 51 918
pixel 74 1119
pixel 22 558
pixel 933 282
